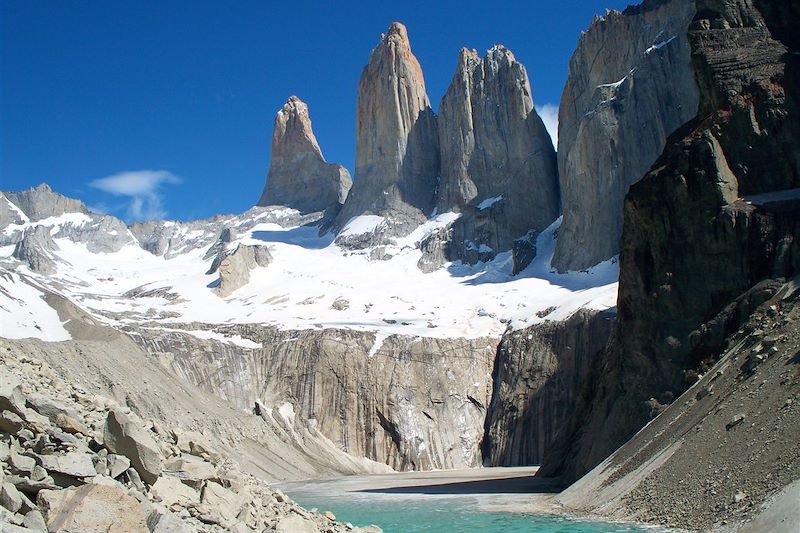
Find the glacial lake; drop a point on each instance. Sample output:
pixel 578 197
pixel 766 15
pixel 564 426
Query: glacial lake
pixel 487 500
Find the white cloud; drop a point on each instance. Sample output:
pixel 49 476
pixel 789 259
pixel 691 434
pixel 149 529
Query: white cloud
pixel 142 187
pixel 549 114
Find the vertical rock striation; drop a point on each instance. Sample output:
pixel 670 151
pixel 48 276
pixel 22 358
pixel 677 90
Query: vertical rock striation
pixel 498 165
pixel 299 177
pixel 630 85
pixel 538 375
pixel 718 214
pixel 397 148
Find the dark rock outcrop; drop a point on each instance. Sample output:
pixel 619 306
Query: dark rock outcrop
pixel 299 177
pixel 630 85
pixel 498 163
pixel 397 148
pixel 718 213
pixel 538 374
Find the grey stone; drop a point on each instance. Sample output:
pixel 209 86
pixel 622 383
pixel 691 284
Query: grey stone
pixel 397 149
pixel 35 521
pixel 631 83
pixel 498 165
pixel 234 268
pixel 10 498
pixel 296 524
pixel 117 464
pixel 299 177
pixel 94 509
pixel 35 249
pixel 171 490
pixel 72 464
pixel 123 437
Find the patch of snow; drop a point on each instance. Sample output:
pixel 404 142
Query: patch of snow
pixel 659 46
pixel 772 197
pixel 213 335
pixel 16 209
pixel 24 313
pixel 489 202
pixel 379 338
pixel 362 224
pixel 287 413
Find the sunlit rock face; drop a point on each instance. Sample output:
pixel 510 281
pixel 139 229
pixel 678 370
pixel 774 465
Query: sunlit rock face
pixel 397 147
pixel 299 177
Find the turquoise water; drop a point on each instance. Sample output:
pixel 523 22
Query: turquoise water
pixel 442 514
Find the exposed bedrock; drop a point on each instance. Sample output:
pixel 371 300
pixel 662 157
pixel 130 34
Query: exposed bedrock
pixel 299 177
pixel 234 267
pixel 718 213
pixel 498 165
pixel 41 202
pixel 397 147
pixel 630 85
pixel 35 250
pixel 412 403
pixel 538 374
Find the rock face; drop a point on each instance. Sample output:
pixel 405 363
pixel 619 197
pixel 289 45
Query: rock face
pixel 34 249
pixel 41 202
pixel 234 269
pixel 538 375
pixel 299 177
pixel 411 403
pixel 397 148
pixel 718 213
pixel 498 165
pixel 630 85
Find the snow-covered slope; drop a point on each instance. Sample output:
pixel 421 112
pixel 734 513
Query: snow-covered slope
pixel 311 281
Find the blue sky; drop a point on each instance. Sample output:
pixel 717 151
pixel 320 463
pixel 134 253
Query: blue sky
pixel 165 108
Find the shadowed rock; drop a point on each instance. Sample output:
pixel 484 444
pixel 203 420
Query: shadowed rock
pixel 630 85
pixel 498 165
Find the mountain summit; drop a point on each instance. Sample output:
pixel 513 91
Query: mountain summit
pixel 299 177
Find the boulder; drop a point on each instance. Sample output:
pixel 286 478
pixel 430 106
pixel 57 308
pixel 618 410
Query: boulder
pixel 93 509
pixel 123 436
pixel 170 490
pixel 296 524
pixel 227 502
pixel 78 465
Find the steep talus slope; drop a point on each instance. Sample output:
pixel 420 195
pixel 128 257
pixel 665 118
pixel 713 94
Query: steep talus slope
pixel 299 177
pixel 718 213
pixel 716 455
pixel 411 403
pixel 498 165
pixel 630 85
pixel 397 149
pixel 538 374
pixel 95 438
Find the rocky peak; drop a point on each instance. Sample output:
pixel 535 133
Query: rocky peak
pixel 397 149
pixel 498 165
pixel 41 202
pixel 299 177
